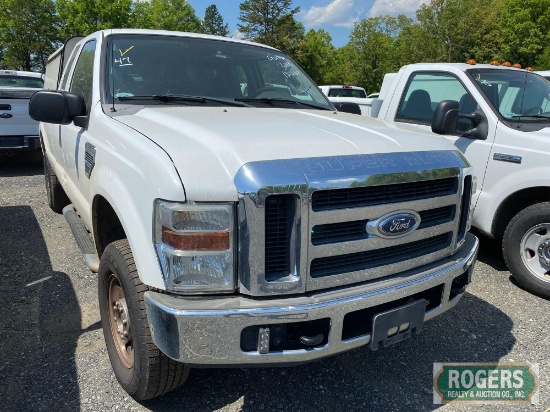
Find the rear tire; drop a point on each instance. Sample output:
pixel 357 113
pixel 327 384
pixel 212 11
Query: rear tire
pixel 139 366
pixel 57 198
pixel 526 248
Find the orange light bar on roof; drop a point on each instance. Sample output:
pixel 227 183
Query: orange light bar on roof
pixel 495 63
pixel 517 66
pixel 507 64
pixel 529 68
pixel 471 61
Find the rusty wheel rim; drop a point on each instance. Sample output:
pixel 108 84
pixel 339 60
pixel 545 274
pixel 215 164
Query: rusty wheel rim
pixel 119 321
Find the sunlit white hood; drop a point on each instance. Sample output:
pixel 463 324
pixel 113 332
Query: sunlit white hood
pixel 209 145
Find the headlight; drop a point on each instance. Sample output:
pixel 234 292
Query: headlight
pixel 194 244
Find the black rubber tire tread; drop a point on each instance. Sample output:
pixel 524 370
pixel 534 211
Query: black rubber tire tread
pixel 153 373
pixel 516 229
pixel 57 198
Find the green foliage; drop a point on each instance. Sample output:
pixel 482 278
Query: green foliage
pixel 28 33
pixel 82 17
pixel 373 42
pixel 316 55
pixel 272 22
pixel 213 22
pixel 175 15
pixel 525 31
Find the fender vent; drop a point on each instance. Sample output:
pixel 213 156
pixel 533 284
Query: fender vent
pixel 89 159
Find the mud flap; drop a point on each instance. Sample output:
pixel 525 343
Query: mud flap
pixel 397 324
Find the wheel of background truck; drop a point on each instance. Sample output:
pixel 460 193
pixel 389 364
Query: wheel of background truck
pixel 139 366
pixel 57 198
pixel 526 248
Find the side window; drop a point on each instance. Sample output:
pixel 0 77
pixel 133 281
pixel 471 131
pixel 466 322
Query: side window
pixel 63 84
pixel 426 90
pixel 83 73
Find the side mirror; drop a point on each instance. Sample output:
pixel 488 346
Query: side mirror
pixel 347 107
pixel 446 118
pixel 58 107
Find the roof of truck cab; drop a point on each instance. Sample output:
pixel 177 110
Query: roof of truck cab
pixel 462 66
pixel 110 32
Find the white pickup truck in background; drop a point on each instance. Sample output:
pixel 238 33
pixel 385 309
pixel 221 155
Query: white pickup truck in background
pixel 499 118
pixel 348 94
pixel 18 132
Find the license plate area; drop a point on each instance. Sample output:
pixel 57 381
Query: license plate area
pixel 397 324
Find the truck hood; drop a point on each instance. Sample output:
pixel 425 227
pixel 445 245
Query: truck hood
pixel 209 145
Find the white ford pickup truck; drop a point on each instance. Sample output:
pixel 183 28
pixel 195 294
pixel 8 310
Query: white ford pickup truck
pixel 18 132
pixel 499 117
pixel 338 94
pixel 237 225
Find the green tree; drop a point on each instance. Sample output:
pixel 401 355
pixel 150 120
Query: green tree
pixel 272 22
pixel 525 31
pixel 315 56
pixel 82 17
pixel 373 42
pixel 213 22
pixel 457 30
pixel 343 67
pixel 28 33
pixel 414 45
pixel 175 15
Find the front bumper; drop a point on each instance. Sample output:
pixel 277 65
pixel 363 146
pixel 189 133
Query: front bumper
pixel 204 332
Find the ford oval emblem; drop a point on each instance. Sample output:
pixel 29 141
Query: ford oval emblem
pixel 398 224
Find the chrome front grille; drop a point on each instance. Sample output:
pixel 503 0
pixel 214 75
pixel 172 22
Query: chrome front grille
pixel 307 224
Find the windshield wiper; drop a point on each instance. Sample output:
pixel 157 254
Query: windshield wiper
pixel 166 98
pixel 271 100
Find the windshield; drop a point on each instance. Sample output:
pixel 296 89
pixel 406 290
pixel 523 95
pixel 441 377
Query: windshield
pixel 155 67
pixel 517 95
pixel 21 81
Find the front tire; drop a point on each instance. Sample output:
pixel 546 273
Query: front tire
pixel 526 248
pixel 139 366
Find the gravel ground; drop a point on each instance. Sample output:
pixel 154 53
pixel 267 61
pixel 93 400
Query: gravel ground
pixel 54 359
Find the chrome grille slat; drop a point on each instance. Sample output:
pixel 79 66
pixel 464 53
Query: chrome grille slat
pixel 397 269
pixel 355 230
pixel 369 259
pixel 374 243
pixel 373 212
pixel 353 197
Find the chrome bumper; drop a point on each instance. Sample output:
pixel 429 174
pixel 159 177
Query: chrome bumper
pixel 207 331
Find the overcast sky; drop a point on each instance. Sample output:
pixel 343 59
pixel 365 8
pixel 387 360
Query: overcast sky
pixel 334 16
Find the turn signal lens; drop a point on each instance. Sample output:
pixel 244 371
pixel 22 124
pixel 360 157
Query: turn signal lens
pixel 215 241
